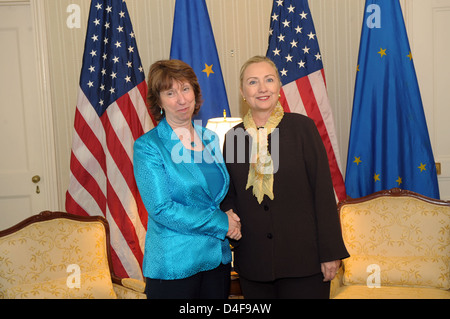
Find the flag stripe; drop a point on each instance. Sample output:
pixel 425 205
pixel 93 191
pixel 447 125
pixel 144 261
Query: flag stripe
pixel 111 114
pixel 131 117
pixel 293 98
pixel 71 202
pixel 120 216
pixel 139 98
pixel 125 261
pixel 82 202
pixel 90 164
pixel 309 94
pixel 89 138
pixel 294 48
pixel 90 184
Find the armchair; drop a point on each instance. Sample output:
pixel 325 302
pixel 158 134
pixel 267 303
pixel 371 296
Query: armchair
pixel 55 255
pixel 399 243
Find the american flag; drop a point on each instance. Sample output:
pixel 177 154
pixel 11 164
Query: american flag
pixel 294 48
pixel 111 114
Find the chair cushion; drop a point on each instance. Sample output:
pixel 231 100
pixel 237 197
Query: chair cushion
pixel 35 261
pixel 363 292
pixel 398 271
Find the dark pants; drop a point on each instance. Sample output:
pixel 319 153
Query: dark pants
pixel 212 284
pixel 311 287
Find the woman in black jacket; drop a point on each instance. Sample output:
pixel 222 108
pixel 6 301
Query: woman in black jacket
pixel 281 188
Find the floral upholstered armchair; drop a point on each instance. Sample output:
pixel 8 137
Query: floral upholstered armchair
pixel 56 255
pixel 399 243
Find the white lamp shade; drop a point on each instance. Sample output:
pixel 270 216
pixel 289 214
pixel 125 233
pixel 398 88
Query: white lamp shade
pixel 221 126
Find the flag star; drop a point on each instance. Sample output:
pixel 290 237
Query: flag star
pixel 141 69
pixel 286 23
pixel 357 160
pixel 376 177
pixel 107 25
pixel 129 64
pixel 132 35
pixel 303 15
pixel 294 44
pixel 298 29
pixel 291 9
pixel 275 17
pixel 208 70
pixel 92 69
pixel 301 64
pixel 382 52
pixel 114 75
pixel 99 6
pixel 116 60
pixel 127 79
pixel 106 40
pixel 422 167
pixel 306 49
pixel 103 72
pixel 120 29
pixel 281 38
pixel 93 53
pixel 122 14
pixel 289 58
pixel 131 49
pixel 276 52
pixel 102 87
pixel 97 22
pixel 109 9
pixel 90 84
pixel 311 35
pixel 101 102
pixel 118 44
pixel 271 31
pixel 410 56
pixel 318 57
pixel 112 91
pixel 94 38
pixel 399 181
pixel 280 3
pixel 105 56
pixel 284 72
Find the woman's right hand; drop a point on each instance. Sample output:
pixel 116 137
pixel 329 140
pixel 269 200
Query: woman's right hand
pixel 234 226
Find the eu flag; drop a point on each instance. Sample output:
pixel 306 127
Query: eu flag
pixel 193 42
pixel 389 143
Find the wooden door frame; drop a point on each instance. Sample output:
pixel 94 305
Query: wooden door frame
pixel 45 104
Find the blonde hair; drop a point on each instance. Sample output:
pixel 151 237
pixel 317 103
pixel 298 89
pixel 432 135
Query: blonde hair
pixel 257 59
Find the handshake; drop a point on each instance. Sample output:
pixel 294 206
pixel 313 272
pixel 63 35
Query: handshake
pixel 234 226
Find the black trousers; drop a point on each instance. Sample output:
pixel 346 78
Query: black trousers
pixel 311 287
pixel 211 284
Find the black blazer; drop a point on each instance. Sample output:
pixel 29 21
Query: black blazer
pixel 293 234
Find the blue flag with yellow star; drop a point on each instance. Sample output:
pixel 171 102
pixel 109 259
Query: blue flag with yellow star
pixel 193 42
pixel 389 143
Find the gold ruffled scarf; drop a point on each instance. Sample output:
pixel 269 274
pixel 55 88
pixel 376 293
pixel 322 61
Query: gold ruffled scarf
pixel 260 175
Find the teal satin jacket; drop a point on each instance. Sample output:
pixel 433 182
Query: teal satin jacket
pixel 186 231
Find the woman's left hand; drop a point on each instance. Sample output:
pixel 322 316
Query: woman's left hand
pixel 330 269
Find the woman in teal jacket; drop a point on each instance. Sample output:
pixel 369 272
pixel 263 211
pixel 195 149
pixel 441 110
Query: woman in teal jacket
pixel 182 179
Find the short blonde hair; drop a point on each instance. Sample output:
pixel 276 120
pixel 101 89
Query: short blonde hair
pixel 257 59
